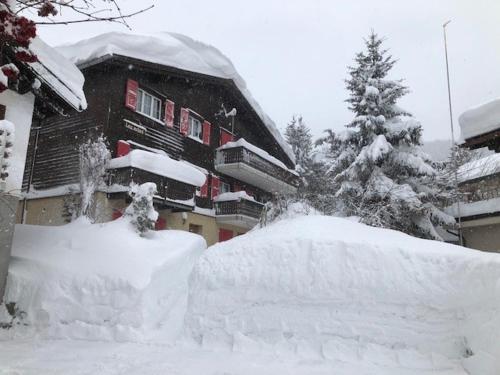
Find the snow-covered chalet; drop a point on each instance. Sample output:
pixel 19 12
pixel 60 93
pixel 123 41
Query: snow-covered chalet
pixel 47 87
pixel 480 179
pixel 174 111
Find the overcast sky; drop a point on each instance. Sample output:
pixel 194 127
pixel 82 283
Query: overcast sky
pixel 293 53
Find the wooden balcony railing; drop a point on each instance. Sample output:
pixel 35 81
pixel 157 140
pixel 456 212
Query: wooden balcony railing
pixel 241 154
pixel 239 207
pixel 166 188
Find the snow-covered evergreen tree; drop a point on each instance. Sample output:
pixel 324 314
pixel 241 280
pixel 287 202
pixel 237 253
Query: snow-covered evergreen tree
pixel 94 156
pixel 298 135
pixel 141 211
pixel 377 168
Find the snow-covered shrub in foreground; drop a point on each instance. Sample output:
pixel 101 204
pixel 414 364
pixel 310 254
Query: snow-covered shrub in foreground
pixel 141 211
pixel 100 281
pixel 337 286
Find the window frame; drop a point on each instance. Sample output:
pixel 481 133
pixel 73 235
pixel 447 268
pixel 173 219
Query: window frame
pixel 223 186
pixel 141 93
pixel 190 134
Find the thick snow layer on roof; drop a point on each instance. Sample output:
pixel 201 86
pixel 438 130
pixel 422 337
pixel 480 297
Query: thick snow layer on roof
pixel 59 73
pixel 100 281
pixel 480 168
pixel 161 165
pixel 263 154
pixel 235 196
pixel 170 49
pixel 329 283
pixel 481 119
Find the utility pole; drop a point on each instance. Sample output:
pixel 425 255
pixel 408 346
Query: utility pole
pixel 453 156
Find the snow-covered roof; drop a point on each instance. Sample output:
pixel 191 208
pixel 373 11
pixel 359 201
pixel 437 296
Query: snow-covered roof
pixel 481 119
pixel 60 74
pixel 488 206
pixel 170 49
pixel 480 168
pixel 161 165
pixel 263 154
pixel 235 196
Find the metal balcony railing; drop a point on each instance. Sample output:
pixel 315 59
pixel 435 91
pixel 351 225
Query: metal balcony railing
pixel 242 207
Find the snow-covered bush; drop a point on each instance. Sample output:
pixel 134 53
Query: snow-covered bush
pixel 141 211
pixel 377 168
pixel 94 156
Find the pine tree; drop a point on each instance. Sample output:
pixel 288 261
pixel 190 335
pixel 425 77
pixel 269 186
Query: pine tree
pixel 141 211
pixel 377 169
pixel 298 136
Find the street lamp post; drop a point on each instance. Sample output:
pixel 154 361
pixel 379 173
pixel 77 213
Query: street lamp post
pixel 453 156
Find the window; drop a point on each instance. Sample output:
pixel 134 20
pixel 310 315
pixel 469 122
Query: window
pixel 195 128
pixel 193 228
pixel 224 188
pixel 148 105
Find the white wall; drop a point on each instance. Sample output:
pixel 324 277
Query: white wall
pixel 19 112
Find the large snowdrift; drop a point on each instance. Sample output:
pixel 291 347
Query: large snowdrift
pixel 481 119
pixel 101 281
pixel 170 49
pixel 341 289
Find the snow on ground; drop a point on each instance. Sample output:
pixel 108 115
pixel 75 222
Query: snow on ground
pixel 100 281
pixel 305 295
pixel 339 288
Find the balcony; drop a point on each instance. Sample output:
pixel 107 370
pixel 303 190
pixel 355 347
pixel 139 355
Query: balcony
pixel 176 182
pixel 254 166
pixel 237 209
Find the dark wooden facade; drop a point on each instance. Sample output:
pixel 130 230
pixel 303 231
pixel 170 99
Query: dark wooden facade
pixel 54 162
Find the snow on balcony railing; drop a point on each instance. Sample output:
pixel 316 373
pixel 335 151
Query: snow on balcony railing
pixel 480 168
pixel 235 196
pixel 160 165
pixel 482 207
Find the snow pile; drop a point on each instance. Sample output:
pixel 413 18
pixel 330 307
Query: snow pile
pixel 235 196
pixel 263 154
pixel 339 288
pixel 58 73
pixel 169 49
pixel 161 165
pixel 481 119
pixel 479 168
pixel 101 281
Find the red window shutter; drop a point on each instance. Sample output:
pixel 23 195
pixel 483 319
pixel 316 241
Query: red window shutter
pixel 225 137
pixel 122 148
pixel 206 132
pixel 225 235
pixel 161 224
pixel 204 189
pixel 169 113
pixel 215 186
pixel 116 214
pixel 184 127
pixel 131 94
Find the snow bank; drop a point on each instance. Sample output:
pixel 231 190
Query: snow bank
pixel 161 165
pixel 333 286
pixel 481 119
pixel 101 281
pixel 170 49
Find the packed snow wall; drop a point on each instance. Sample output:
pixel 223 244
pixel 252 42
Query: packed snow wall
pixel 327 284
pixel 100 281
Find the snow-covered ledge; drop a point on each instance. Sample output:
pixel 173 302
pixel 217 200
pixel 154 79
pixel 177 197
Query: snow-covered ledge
pixel 160 165
pixel 235 196
pixel 480 120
